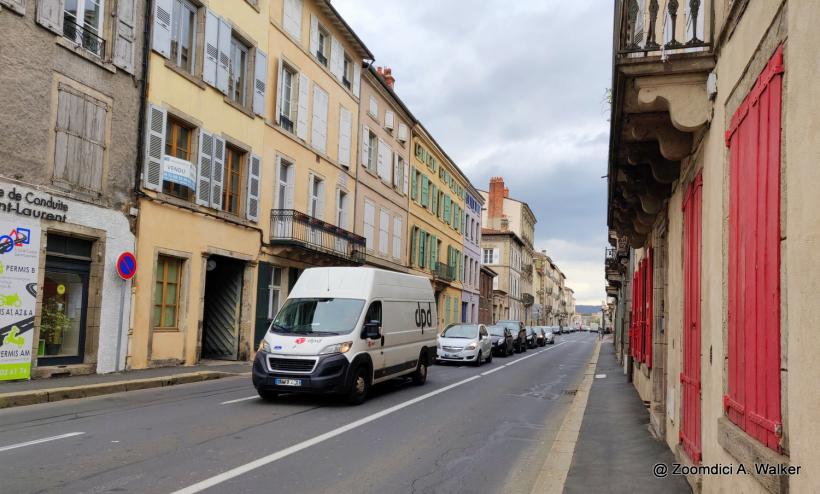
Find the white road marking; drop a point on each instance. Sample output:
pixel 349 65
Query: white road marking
pixel 240 399
pixel 39 441
pixel 600 376
pixel 493 370
pixel 267 460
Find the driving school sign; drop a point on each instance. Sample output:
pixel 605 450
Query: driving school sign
pixel 19 260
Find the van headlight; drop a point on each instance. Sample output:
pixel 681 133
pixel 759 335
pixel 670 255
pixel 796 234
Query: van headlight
pixel 264 346
pixel 337 348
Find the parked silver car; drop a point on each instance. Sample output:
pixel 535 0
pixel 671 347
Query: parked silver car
pixel 465 343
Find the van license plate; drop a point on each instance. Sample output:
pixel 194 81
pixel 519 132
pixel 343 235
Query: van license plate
pixel 288 382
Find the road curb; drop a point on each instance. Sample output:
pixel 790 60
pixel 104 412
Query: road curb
pixel 33 397
pixel 554 472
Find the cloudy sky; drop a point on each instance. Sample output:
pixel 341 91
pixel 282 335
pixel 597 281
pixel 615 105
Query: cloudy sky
pixel 517 89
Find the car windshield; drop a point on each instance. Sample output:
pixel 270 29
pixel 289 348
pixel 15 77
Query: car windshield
pixel 469 331
pixel 328 316
pixel 496 330
pixel 512 326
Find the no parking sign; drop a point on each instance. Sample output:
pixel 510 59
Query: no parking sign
pixel 127 265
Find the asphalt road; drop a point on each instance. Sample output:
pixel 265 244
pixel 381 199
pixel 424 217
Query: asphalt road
pixel 468 429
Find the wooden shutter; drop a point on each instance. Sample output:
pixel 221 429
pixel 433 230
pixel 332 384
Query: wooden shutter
pixel 365 144
pixel 311 211
pixel 161 31
pixel 422 248
pixel 292 18
pixel 50 15
pixel 425 193
pixel 396 170
pixel 345 127
pixel 434 203
pixel 260 82
pixel 320 203
pixel 280 85
pixel 254 171
pixel 357 75
pixel 413 234
pixel 291 181
pixel 211 58
pixel 389 119
pixel 406 177
pixel 402 132
pixel 18 6
pixel 302 110
pixel 753 398
pixel 433 252
pixel 204 168
pixel 154 148
pixel 414 186
pixel 217 172
pixel 314 35
pixel 125 35
pixel 319 127
pixel 337 57
pixel 224 56
pixel 383 163
pixel 648 309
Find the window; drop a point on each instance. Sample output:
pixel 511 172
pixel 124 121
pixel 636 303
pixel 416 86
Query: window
pixel 384 233
pixel 274 292
pixel 488 256
pixel 347 73
pixel 80 138
pixel 372 151
pixel 166 292
pixel 237 71
pixel 341 209
pixel 323 51
pixel 373 109
pixel 369 224
pixel 284 196
pixel 183 35
pixel 232 191
pixel 397 234
pixel 289 97
pixel 316 191
pixel 83 24
pixel 178 145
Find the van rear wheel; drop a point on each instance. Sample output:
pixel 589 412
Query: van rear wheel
pixel 420 376
pixel 359 386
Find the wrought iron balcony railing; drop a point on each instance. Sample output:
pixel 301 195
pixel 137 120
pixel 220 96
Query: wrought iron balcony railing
pixel 663 27
pixel 289 226
pixel 444 271
pixel 83 37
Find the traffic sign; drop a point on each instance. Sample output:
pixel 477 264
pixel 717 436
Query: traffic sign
pixel 126 265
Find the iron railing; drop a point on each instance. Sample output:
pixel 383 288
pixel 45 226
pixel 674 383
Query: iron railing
pixel 289 226
pixel 663 27
pixel 444 271
pixel 83 37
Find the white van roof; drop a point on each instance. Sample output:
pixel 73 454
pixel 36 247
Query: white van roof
pixel 362 283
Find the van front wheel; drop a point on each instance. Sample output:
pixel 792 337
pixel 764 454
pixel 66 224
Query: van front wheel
pixel 359 386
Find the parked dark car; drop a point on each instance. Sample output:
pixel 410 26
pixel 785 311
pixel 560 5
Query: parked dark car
pixel 503 341
pixel 541 335
pixel 519 333
pixel 532 337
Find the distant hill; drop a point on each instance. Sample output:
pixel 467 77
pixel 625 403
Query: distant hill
pixel 587 309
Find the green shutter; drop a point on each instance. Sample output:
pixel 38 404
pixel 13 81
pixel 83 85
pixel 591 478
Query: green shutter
pixel 422 245
pixel 413 235
pixel 447 209
pixel 433 252
pixel 433 198
pixel 413 186
pixel 446 309
pixel 424 190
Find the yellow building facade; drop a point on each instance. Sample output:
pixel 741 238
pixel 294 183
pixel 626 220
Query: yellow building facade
pixel 436 217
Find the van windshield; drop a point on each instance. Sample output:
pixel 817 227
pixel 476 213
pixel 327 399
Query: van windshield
pixel 328 316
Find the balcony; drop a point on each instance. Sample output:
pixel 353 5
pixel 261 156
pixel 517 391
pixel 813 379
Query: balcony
pixel 84 37
pixel 315 239
pixel 663 59
pixel 444 272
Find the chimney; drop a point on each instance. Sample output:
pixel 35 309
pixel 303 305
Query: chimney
pixel 506 192
pixel 388 77
pixel 495 203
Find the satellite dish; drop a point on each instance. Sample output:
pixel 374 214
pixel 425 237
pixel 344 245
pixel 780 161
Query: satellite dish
pixel 211 265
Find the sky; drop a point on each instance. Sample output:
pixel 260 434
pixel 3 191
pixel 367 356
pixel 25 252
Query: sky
pixel 514 89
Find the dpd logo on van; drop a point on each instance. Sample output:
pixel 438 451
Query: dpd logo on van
pixel 424 318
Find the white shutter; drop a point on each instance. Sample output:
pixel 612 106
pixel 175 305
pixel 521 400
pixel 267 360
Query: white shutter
pixel 224 56
pixel 260 82
pixel 406 177
pixel 365 144
pixel 205 168
pixel 337 58
pixel 310 210
pixel 396 170
pixel 50 15
pixel 496 256
pixel 254 171
pixel 402 132
pixel 373 107
pixel 337 199
pixel 292 19
pixel 161 32
pixel 314 35
pixel 18 6
pixel 319 126
pixel 211 58
pixel 397 236
pixel 369 223
pixel 384 231
pixel 280 84
pixel 357 76
pixel 154 148
pixel 321 202
pixel 302 111
pixel 124 40
pixel 389 118
pixel 383 168
pixel 345 123
pixel 218 172
pixel 290 180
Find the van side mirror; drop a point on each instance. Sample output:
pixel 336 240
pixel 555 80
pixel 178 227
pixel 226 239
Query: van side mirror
pixel 372 330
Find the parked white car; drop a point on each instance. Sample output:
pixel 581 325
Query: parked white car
pixel 465 343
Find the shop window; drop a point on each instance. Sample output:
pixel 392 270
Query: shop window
pixel 166 292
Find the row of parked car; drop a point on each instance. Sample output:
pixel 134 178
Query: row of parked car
pixel 478 343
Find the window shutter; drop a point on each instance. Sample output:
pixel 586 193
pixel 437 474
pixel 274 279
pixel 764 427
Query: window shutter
pixel 205 168
pixel 357 76
pixel 292 18
pixel 161 34
pixel 218 172
pixel 319 127
pixel 321 202
pixel 496 256
pixel 224 55
pixel 310 209
pixel 373 107
pixel 447 217
pixel 302 111
pixel 291 180
pixel 434 205
pixel 396 170
pixel 369 222
pixel 365 144
pixel 406 177
pixel 345 123
pixel 124 41
pixel 18 6
pixel 648 309
pixel 155 148
pixel 402 132
pixel 260 82
pixel 337 200
pixel 397 236
pixel 314 34
pixel 425 183
pixel 433 252
pixel 413 231
pixel 337 63
pixel 211 58
pixel 252 206
pixel 383 166
pixel 422 247
pixel 280 85
pixel 414 188
pixel 50 15
pixel 389 119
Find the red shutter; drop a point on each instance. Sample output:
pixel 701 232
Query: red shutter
pixel 753 398
pixel 633 320
pixel 690 375
pixel 648 310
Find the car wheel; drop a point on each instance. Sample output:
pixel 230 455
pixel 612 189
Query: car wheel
pixel 359 386
pixel 490 358
pixel 420 376
pixel 524 347
pixel 267 395
pixel 478 357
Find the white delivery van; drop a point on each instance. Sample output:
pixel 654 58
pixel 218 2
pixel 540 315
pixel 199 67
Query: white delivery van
pixel 342 329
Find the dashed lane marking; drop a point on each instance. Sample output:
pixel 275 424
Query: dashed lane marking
pixel 39 441
pixel 240 399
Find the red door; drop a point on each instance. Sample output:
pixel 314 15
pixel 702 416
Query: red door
pixel 690 377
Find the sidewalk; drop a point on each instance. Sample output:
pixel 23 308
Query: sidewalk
pixel 615 452
pixel 19 393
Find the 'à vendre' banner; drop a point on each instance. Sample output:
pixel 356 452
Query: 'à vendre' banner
pixel 19 261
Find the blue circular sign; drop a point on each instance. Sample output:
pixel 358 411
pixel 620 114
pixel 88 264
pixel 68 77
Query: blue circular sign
pixel 126 265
